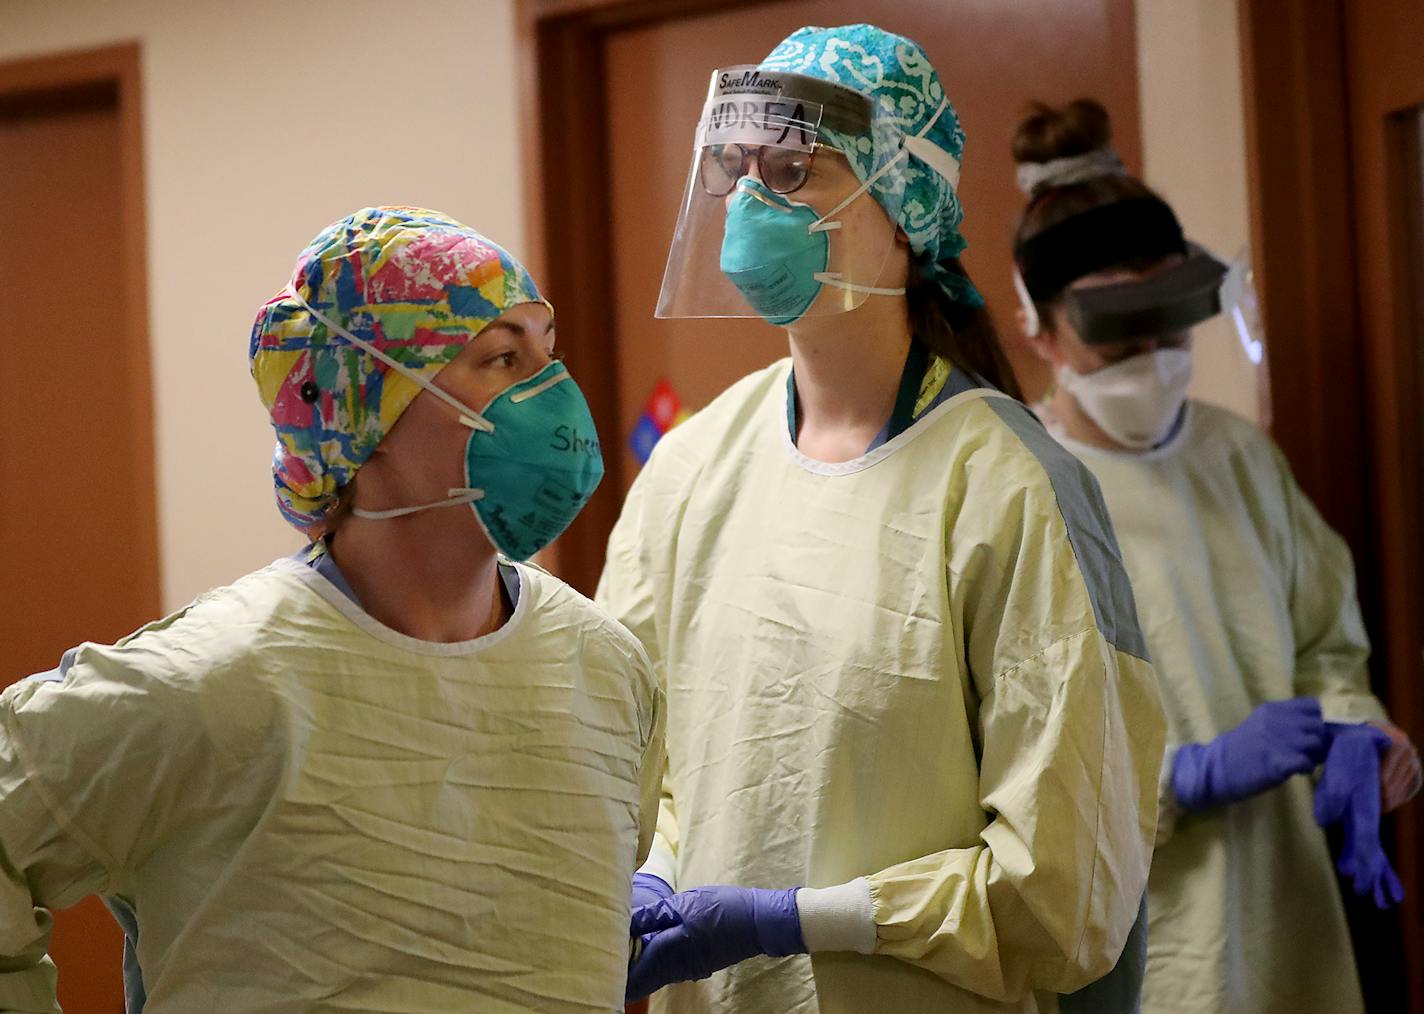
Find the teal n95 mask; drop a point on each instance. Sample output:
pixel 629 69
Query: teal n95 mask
pixel 532 459
pixel 771 252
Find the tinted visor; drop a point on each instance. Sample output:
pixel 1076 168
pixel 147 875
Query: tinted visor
pixel 1173 300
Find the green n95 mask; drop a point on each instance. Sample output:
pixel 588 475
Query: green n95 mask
pixel 771 252
pixel 538 464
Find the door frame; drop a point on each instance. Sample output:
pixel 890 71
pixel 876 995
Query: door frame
pixel 54 82
pixel 1338 394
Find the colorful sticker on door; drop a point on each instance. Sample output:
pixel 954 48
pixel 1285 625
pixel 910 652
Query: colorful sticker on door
pixel 663 411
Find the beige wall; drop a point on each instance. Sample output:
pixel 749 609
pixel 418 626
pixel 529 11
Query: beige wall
pixel 1194 154
pixel 264 121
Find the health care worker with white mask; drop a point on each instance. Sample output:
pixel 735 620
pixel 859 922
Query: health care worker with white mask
pixel 403 771
pixel 902 662
pixel 1246 597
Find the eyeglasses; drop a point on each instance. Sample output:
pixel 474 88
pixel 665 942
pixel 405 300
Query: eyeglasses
pixel 783 170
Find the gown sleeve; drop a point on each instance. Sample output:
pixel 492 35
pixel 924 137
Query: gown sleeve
pixel 1071 736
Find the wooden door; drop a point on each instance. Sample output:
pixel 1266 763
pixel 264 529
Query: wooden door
pixel 78 532
pixel 1334 94
pixel 619 88
pixel 1385 91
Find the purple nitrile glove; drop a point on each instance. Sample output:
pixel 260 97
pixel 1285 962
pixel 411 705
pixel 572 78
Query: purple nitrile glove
pixel 1349 795
pixel 649 890
pixel 1277 740
pixel 694 933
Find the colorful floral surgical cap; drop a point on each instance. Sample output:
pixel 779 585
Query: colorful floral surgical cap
pixel 897 76
pixel 416 284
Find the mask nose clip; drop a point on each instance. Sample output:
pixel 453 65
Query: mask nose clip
pixel 746 185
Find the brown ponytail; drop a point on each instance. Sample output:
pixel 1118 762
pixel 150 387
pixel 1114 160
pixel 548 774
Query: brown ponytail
pixel 963 335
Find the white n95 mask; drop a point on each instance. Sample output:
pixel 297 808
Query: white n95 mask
pixel 1136 401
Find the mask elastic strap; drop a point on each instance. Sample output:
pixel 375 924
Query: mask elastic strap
pixel 1032 325
pixel 932 154
pixel 468 417
pixel 458 495
pixel 834 278
pixel 823 225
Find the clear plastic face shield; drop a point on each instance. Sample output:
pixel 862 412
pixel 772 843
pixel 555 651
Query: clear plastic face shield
pixel 774 221
pixel 1240 298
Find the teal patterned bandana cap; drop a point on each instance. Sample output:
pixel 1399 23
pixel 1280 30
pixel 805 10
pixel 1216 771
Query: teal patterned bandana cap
pixel 897 76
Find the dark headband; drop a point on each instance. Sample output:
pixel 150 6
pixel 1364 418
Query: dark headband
pixel 1096 239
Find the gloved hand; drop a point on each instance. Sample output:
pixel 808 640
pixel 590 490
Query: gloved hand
pixel 694 933
pixel 1277 740
pixel 649 890
pixel 1349 794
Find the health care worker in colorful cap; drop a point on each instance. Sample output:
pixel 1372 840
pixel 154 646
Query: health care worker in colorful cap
pixel 1247 598
pixel 903 667
pixel 404 771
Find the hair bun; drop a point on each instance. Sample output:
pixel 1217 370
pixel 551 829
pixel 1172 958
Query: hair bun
pixel 1049 133
pixel 1060 147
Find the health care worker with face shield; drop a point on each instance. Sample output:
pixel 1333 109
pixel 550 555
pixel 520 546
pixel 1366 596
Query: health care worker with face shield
pixel 913 734
pixel 1246 597
pixel 402 771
